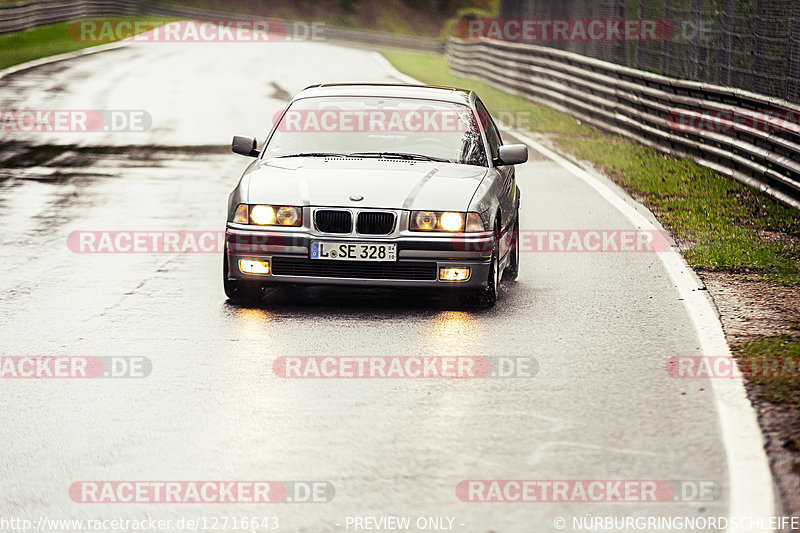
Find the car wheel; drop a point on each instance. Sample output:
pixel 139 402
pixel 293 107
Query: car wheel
pixel 487 297
pixel 511 271
pixel 239 291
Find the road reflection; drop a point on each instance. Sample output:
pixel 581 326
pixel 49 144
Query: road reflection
pixel 448 330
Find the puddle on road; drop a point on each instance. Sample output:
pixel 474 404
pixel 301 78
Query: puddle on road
pixel 278 92
pixel 21 161
pixel 56 185
pixel 48 192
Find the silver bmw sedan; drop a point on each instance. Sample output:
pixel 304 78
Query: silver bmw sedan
pixel 376 185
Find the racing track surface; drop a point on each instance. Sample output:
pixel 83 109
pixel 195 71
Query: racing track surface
pixel 600 325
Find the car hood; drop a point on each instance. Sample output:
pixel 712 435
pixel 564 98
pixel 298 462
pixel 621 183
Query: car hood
pixel 384 183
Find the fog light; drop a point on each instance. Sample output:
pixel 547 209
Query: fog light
pixel 254 266
pixel 453 273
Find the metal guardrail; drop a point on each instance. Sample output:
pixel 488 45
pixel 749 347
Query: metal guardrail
pixel 18 16
pixel 639 105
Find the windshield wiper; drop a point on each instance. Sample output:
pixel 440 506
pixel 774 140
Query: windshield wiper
pixel 314 154
pixel 400 155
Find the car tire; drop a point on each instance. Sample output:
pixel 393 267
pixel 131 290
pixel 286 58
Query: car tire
pixel 511 272
pixel 239 291
pixel 487 297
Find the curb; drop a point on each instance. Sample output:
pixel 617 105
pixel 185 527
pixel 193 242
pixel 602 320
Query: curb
pixel 60 57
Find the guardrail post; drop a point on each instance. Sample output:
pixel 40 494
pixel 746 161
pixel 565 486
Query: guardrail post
pixel 621 46
pixel 728 9
pixel 666 48
pixel 759 69
pixel 641 49
pixel 698 50
pixel 793 83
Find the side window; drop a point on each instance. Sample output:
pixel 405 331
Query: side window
pixel 487 124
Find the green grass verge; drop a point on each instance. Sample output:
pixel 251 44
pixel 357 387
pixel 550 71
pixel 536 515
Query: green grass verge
pixel 777 384
pixel 45 41
pixel 432 69
pixel 721 224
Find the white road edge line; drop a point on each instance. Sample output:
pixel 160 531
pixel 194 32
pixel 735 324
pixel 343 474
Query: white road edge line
pixel 749 476
pixel 750 479
pixel 60 57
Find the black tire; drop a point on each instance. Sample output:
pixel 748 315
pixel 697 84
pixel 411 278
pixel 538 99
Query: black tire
pixel 511 272
pixel 487 297
pixel 239 291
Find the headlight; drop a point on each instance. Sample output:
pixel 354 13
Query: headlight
pixel 263 215
pixel 289 216
pixel 268 215
pixel 450 221
pixel 424 220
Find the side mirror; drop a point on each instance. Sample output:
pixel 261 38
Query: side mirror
pixel 244 145
pixel 513 154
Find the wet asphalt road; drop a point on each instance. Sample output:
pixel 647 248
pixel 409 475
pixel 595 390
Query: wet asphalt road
pixel 601 327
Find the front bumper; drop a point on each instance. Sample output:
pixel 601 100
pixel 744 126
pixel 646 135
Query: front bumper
pixel 419 258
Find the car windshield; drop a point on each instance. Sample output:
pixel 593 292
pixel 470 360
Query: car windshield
pixel 398 128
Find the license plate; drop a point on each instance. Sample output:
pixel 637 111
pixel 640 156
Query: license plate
pixel 353 251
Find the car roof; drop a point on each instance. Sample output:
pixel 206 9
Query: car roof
pixel 388 90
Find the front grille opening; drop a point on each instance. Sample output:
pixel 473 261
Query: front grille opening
pixel 375 223
pixel 322 268
pixel 334 221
